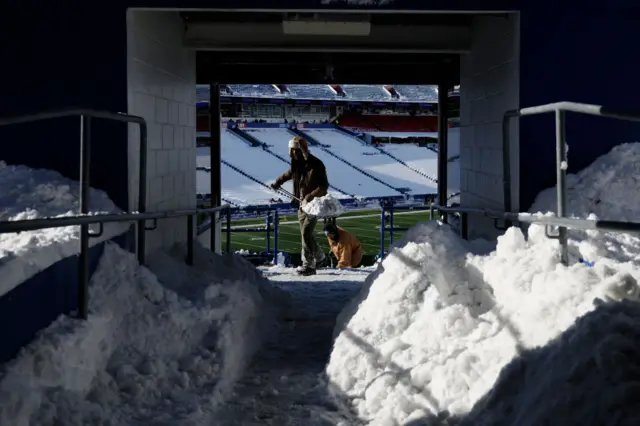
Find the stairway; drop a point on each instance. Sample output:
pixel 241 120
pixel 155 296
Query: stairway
pixel 246 136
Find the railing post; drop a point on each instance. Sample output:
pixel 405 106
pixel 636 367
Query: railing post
pixel 464 230
pixel 216 158
pixel 229 230
pixel 391 210
pixel 268 220
pixel 142 195
pixel 83 260
pixel 506 165
pixel 443 146
pixel 190 238
pixel 561 158
pixel 382 225
pixel 276 231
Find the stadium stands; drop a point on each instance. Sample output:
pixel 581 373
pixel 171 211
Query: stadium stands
pixel 322 91
pixel 254 90
pixel 390 123
pixel 313 91
pixel 365 92
pixel 417 93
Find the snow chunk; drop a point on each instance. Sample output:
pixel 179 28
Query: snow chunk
pixel 28 193
pixel 157 348
pixel 323 207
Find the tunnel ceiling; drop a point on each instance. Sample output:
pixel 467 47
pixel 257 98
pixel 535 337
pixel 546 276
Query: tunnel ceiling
pixel 244 48
pixel 313 68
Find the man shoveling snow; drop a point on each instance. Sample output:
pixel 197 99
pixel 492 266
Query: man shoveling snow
pixel 309 181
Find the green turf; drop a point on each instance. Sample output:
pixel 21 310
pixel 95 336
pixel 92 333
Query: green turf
pixel 366 230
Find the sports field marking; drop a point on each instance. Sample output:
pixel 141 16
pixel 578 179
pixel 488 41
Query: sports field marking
pixel 291 222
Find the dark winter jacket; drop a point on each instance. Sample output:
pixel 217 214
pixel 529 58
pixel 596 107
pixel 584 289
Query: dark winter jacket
pixel 309 177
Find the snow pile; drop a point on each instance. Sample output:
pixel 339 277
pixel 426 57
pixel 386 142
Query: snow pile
pixel 37 193
pixel 323 207
pixel 607 189
pixel 434 326
pixel 593 378
pixel 163 348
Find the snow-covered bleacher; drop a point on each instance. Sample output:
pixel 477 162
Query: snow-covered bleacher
pixel 366 92
pixel 419 93
pixel 254 90
pixel 322 91
pixel 371 160
pixel 340 174
pixel 311 91
pixel 354 167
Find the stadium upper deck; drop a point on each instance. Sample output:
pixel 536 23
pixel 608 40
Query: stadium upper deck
pixel 346 92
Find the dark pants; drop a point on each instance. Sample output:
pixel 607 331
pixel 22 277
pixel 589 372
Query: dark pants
pixel 309 244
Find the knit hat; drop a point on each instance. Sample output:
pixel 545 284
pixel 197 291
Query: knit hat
pixel 330 229
pixel 298 143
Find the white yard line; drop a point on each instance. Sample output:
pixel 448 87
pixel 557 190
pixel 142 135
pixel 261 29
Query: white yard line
pixel 341 218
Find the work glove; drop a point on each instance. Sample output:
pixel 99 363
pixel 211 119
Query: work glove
pixel 275 186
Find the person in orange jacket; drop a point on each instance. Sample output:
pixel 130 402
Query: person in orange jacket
pixel 344 246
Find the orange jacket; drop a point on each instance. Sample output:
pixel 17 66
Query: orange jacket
pixel 347 249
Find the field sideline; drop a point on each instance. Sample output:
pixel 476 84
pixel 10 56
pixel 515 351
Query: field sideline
pixel 365 224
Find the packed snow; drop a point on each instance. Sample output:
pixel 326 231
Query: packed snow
pixel 326 206
pixel 28 193
pixel 163 345
pixel 286 385
pixel 430 334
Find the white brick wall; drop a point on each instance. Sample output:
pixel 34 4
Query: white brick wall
pixel 161 88
pixel 489 80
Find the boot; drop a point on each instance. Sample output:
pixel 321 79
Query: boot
pixel 321 262
pixel 306 271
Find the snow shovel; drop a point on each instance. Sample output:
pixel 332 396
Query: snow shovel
pixel 281 191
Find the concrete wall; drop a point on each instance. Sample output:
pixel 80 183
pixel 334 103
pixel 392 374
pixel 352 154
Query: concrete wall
pixel 489 80
pixel 161 78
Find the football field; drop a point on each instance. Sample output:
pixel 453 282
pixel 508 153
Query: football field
pixel 364 224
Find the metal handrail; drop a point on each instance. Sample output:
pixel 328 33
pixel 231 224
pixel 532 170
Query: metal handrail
pixel 273 225
pixel 559 108
pixel 85 155
pixel 84 220
pixel 567 222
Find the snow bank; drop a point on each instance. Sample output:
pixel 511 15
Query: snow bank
pixel 434 326
pixel 607 189
pixel 163 348
pixel 27 193
pixel 323 207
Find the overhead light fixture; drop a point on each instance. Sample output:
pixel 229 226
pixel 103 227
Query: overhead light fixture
pixel 326 28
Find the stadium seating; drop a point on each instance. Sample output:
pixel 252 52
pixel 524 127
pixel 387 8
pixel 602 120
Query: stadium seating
pixel 314 91
pixel 254 90
pixel 417 93
pixel 390 123
pixel 366 92
pixel 322 91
